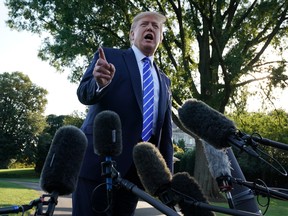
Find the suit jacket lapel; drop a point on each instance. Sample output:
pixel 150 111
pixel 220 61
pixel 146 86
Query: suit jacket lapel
pixel 162 97
pixel 131 63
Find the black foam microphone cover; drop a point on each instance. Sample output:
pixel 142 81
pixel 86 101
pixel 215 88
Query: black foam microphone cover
pixel 207 123
pixel 107 134
pixel 186 185
pixel 151 168
pixel 64 160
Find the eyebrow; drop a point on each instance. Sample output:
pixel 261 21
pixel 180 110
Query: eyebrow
pixel 145 22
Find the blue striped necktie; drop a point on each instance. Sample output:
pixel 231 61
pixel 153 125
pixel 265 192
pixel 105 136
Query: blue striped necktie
pixel 148 100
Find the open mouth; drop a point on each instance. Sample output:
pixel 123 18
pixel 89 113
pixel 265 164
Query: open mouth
pixel 148 37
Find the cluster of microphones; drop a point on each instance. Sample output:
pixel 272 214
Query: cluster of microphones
pixel 163 190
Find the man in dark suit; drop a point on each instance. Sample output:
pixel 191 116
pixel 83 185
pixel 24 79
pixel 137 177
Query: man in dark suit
pixel 113 81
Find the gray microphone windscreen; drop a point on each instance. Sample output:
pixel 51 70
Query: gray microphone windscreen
pixel 151 167
pixel 189 187
pixel 64 160
pixel 207 123
pixel 107 134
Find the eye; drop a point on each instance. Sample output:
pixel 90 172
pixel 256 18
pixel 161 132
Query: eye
pixel 144 24
pixel 155 25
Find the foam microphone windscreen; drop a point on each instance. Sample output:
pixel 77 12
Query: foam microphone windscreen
pixel 151 168
pixel 107 134
pixel 64 160
pixel 207 123
pixel 186 185
pixel 218 161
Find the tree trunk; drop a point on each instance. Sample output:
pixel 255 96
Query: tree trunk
pixel 202 174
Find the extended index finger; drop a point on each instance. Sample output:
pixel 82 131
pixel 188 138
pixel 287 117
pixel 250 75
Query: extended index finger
pixel 101 53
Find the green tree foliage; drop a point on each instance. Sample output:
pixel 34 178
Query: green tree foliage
pixel 54 122
pixel 22 106
pixel 180 145
pixel 43 146
pixel 272 126
pixel 75 119
pixel 177 149
pixel 186 163
pixel 210 48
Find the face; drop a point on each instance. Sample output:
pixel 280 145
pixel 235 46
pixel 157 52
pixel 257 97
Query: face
pixel 147 35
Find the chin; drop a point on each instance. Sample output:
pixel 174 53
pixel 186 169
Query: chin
pixel 149 49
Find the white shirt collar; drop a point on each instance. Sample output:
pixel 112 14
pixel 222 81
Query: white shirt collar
pixel 139 55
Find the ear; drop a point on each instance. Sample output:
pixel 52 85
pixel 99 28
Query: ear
pixel 131 36
pixel 161 39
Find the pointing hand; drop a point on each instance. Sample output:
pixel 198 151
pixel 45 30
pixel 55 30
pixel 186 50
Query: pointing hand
pixel 103 71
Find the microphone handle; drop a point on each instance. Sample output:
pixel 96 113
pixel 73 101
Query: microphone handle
pixel 239 143
pixel 242 196
pixel 52 202
pixel 109 182
pixel 108 170
pixel 11 209
pixel 230 200
pixel 271 143
pixel 22 208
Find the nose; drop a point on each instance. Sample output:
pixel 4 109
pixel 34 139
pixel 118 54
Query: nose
pixel 150 27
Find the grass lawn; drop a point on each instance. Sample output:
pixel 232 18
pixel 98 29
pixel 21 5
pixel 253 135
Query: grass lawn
pixel 276 207
pixel 13 194
pixel 23 174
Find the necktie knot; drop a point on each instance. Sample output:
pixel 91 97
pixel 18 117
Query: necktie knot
pixel 146 62
pixel 146 59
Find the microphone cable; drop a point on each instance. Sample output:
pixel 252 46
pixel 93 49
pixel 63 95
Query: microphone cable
pixel 92 200
pixel 266 205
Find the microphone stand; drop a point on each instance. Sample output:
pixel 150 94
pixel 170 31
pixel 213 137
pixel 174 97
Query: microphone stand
pixel 190 201
pixel 115 175
pixel 218 208
pixel 262 190
pixel 243 198
pixel 146 197
pixel 272 143
pixel 38 203
pixel 52 202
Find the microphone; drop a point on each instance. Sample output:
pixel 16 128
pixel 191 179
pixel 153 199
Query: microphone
pixel 219 131
pixel 64 160
pixel 157 179
pixel 220 169
pixel 151 168
pixel 107 142
pixel 212 126
pixel 189 190
pixel 218 161
pixel 107 134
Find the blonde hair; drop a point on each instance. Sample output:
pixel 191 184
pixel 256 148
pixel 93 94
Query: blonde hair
pixel 159 17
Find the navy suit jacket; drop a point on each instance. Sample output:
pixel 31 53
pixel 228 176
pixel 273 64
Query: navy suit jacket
pixel 123 96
